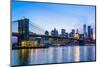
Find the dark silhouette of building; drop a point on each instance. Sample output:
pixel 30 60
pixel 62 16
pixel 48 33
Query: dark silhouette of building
pixel 70 34
pixel 73 32
pixel 90 33
pixel 46 32
pixel 23 29
pixel 77 34
pixel 66 35
pixel 84 28
pixel 81 36
pixel 63 32
pixel 54 32
pixel 77 31
pixel 84 31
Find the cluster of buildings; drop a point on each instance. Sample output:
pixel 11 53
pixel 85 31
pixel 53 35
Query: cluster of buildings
pixel 86 35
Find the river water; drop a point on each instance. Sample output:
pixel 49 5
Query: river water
pixel 61 54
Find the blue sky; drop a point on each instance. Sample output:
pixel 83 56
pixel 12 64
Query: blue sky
pixel 50 16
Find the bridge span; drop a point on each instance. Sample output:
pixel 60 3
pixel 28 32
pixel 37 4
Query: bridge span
pixel 43 36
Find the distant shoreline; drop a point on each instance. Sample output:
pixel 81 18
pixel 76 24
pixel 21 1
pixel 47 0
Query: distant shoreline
pixel 48 46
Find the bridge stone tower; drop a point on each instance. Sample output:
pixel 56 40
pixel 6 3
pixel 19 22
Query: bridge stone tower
pixel 23 29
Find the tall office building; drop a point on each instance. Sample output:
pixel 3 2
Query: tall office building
pixel 84 28
pixel 81 37
pixel 23 29
pixel 45 40
pixel 77 34
pixel 73 32
pixel 70 34
pixel 66 35
pixel 63 32
pixel 84 31
pixel 77 31
pixel 54 32
pixel 90 32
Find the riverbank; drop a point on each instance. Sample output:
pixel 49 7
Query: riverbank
pixel 38 47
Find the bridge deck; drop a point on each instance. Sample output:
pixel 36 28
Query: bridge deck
pixel 44 36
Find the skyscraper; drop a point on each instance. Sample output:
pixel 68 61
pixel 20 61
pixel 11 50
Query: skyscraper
pixel 66 35
pixel 77 31
pixel 84 31
pixel 63 32
pixel 73 32
pixel 90 33
pixel 84 28
pixel 46 38
pixel 77 34
pixel 54 32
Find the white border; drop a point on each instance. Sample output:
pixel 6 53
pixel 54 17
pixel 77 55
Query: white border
pixel 89 2
pixel 5 33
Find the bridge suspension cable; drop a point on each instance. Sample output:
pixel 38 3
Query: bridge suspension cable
pixel 37 27
pixel 32 27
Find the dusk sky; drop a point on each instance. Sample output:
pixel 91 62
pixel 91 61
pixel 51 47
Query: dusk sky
pixel 49 16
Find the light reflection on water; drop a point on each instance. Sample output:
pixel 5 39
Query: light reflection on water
pixel 60 54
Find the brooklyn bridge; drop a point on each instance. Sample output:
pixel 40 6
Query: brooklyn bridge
pixel 24 33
